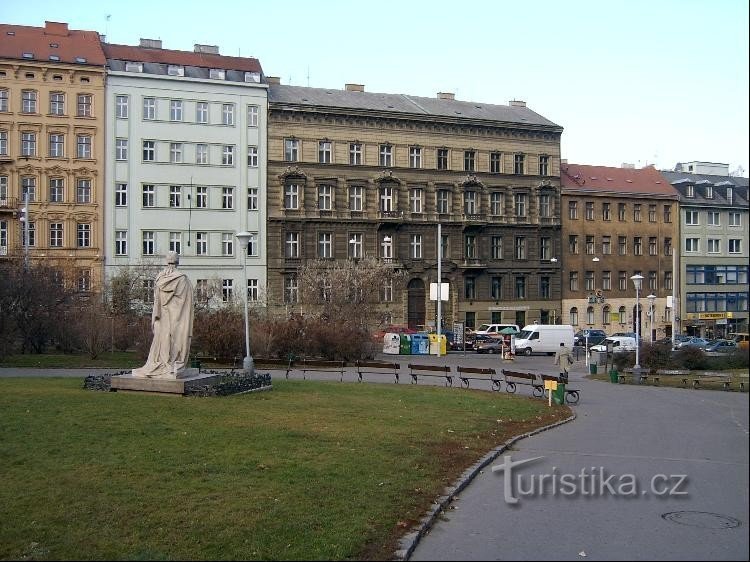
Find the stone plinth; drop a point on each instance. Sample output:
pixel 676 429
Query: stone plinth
pixel 182 385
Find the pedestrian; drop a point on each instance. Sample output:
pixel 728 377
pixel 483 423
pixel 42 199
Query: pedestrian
pixel 564 359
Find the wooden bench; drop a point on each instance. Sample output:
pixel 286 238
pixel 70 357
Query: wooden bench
pixel 524 378
pixel 444 371
pixel 234 362
pixel 709 377
pixel 319 366
pixel 377 367
pixel 669 373
pixel 743 381
pixel 465 372
pixel 272 364
pixel 572 395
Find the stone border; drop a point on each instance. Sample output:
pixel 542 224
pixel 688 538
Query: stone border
pixel 409 542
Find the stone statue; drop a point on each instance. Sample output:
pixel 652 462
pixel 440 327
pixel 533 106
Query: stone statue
pixel 172 324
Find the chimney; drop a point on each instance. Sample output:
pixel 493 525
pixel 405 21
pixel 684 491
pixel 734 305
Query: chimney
pixel 354 87
pixel 446 96
pixel 563 160
pixel 208 49
pixel 56 28
pixel 102 38
pixel 150 43
pixel 273 80
pixel 517 103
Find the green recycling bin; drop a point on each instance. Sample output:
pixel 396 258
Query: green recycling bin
pixel 592 368
pixel 613 376
pixel 405 344
pixel 558 396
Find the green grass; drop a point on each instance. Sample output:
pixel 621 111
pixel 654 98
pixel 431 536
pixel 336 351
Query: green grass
pixel 115 360
pixel 309 470
pixel 676 381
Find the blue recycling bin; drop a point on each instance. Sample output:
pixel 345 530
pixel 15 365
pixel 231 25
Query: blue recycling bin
pixel 420 344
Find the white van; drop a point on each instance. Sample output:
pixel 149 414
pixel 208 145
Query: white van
pixel 620 344
pixel 544 338
pixel 494 329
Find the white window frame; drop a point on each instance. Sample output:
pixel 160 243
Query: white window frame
pixel 227 155
pixel 148 153
pixel 325 197
pixel 84 147
pixel 201 197
pixel 291 196
pixel 121 149
pixel 227 244
pixel 227 114
pixel 148 247
pixel 356 198
pixel 252 156
pixel 386 155
pixel 416 195
pixel 201 153
pixel 201 243
pixel 201 112
pixel 56 235
pixel 149 109
pixel 176 110
pixel 175 196
pixel 121 195
pixel 122 106
pixel 83 235
pixel 227 198
pixel 253 114
pixel 148 196
pixel 415 246
pixel 121 242
pixel 84 187
pixel 175 152
pixel 291 150
pixel 252 198
pixel 415 157
pixel 175 242
pixel 57 145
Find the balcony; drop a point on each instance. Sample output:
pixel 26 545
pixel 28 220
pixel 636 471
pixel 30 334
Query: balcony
pixel 474 218
pixel 398 215
pixel 473 263
pixel 8 203
pixel 392 262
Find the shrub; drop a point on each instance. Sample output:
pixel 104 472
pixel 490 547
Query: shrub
pixel 691 357
pixel 656 355
pixel 623 360
pixel 219 332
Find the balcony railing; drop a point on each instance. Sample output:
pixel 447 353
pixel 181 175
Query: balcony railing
pixel 9 203
pixel 391 214
pixel 473 263
pixel 474 217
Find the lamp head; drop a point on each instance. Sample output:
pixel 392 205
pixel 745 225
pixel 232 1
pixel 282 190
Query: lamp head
pixel 244 238
pixel 637 279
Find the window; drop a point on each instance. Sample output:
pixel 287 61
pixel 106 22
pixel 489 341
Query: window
pixel 691 244
pixel 28 144
pixel 355 245
pixel 497 203
pixel 518 164
pixel 84 105
pixel 356 197
pixel 573 244
pixel 652 281
pixel 325 245
pixel 83 191
pixel 730 195
pixel 622 245
pixel 252 198
pixel 606 211
pixel 227 155
pixel 149 108
pixel 175 152
pixel 386 199
pixel 573 280
pixel 121 149
pixel 667 213
pixel 520 204
pixel 121 195
pixel 355 154
pixel 652 213
pixel 387 295
pixel 252 245
pixel 621 212
pixel 442 202
pixel 31 239
pixel 324 152
pixel 652 249
pixel 589 211
pixel 469 160
pixel 590 315
pixel 252 290
pixel 622 280
pixel 227 114
pixel 667 246
pixel 520 247
pixel 3 143
pixel 291 245
pixel 56 235
pixel 149 244
pixel 28 185
pixel 83 144
pixel 496 162
pixel 217 73
pixel 442 158
pixel 149 196
pixel 470 247
pixel 201 153
pixel 714 218
pixel 573 210
pixel 470 202
pixel 4 100
pixel 668 280
pixel 545 245
pixel 227 289
pixel 589 281
pixel 637 212
pixel 691 218
pixel 57 103
pixel 28 101
pixel 544 165
pixel 386 248
pixel 201 197
pixel 252 115
pixel 227 244
pixel 415 157
pixel 201 112
pixel 201 243
pixel 149 151
pixel 470 288
pixel 175 242
pixel 386 155
pixel 415 200
pixel 544 287
pixel 325 197
pixel 520 287
pixel 545 205
pixel 227 198
pixel 606 280
pixel 291 150
pixel 55 190
pixel 83 280
pixel 735 246
pixel 121 107
pixel 590 243
pixel 496 247
pixel 714 246
pixel 637 246
pixel 56 145
pixel 606 245
pixel 416 246
pixel 291 289
pixel 574 316
pixel 291 196
pixel 175 110
pixel 84 235
pixel 121 242
pixel 735 218
pixel 444 245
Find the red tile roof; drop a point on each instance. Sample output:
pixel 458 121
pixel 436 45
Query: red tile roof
pixel 15 40
pixel 648 180
pixel 183 58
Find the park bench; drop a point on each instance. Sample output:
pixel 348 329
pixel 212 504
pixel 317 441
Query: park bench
pixel 319 366
pixel 572 395
pixel 710 377
pixel 233 362
pixel 743 380
pixel 465 372
pixel 271 363
pixel 377 367
pixel 521 378
pixel 642 377
pixel 669 373
pixel 416 371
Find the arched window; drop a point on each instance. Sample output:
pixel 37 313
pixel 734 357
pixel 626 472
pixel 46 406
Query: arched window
pixel 590 315
pixel 574 316
pixel 622 314
pixel 605 315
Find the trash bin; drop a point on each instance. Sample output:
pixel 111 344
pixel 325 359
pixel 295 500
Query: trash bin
pixel 613 376
pixel 434 344
pixel 405 344
pixel 195 364
pixel 558 395
pixel 391 344
pixel 592 368
pixel 420 344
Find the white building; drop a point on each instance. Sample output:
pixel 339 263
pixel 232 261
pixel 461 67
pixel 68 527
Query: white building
pixel 186 164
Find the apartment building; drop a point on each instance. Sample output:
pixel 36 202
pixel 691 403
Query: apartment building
pixel 52 104
pixel 186 165
pixel 353 173
pixel 713 226
pixel 617 223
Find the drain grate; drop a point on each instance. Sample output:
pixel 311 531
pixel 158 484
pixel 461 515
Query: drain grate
pixel 702 519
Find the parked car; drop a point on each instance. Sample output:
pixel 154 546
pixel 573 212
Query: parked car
pixel 722 346
pixel 472 340
pixel 595 337
pixel 495 329
pixel 619 344
pixel 692 342
pixel 492 345
pixel 626 335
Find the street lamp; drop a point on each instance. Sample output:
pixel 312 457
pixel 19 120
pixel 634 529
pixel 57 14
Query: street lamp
pixel 651 298
pixel 247 363
pixel 637 280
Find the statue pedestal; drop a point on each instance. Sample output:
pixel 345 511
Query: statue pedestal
pixel 190 378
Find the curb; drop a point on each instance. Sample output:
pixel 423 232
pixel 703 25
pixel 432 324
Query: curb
pixel 409 542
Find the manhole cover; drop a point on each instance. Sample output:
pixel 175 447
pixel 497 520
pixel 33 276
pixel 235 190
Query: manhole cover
pixel 702 519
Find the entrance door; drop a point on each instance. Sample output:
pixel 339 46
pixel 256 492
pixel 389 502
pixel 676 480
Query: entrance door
pixel 416 304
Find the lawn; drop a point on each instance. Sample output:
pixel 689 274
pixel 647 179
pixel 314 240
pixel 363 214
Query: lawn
pixel 115 360
pixel 309 470
pixel 735 375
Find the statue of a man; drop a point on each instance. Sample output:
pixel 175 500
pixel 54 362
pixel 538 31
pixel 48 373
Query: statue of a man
pixel 172 324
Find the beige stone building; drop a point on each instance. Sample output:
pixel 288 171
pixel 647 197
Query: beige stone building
pixel 51 147
pixel 353 173
pixel 617 222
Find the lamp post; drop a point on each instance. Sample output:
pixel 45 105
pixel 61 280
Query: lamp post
pixel 637 279
pixel 247 363
pixel 651 298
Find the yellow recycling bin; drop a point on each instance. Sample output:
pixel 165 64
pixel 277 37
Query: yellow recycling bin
pixel 434 344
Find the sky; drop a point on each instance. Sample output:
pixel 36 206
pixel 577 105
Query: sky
pixel 644 82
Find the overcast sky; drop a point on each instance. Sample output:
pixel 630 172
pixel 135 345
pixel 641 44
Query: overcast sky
pixel 637 81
